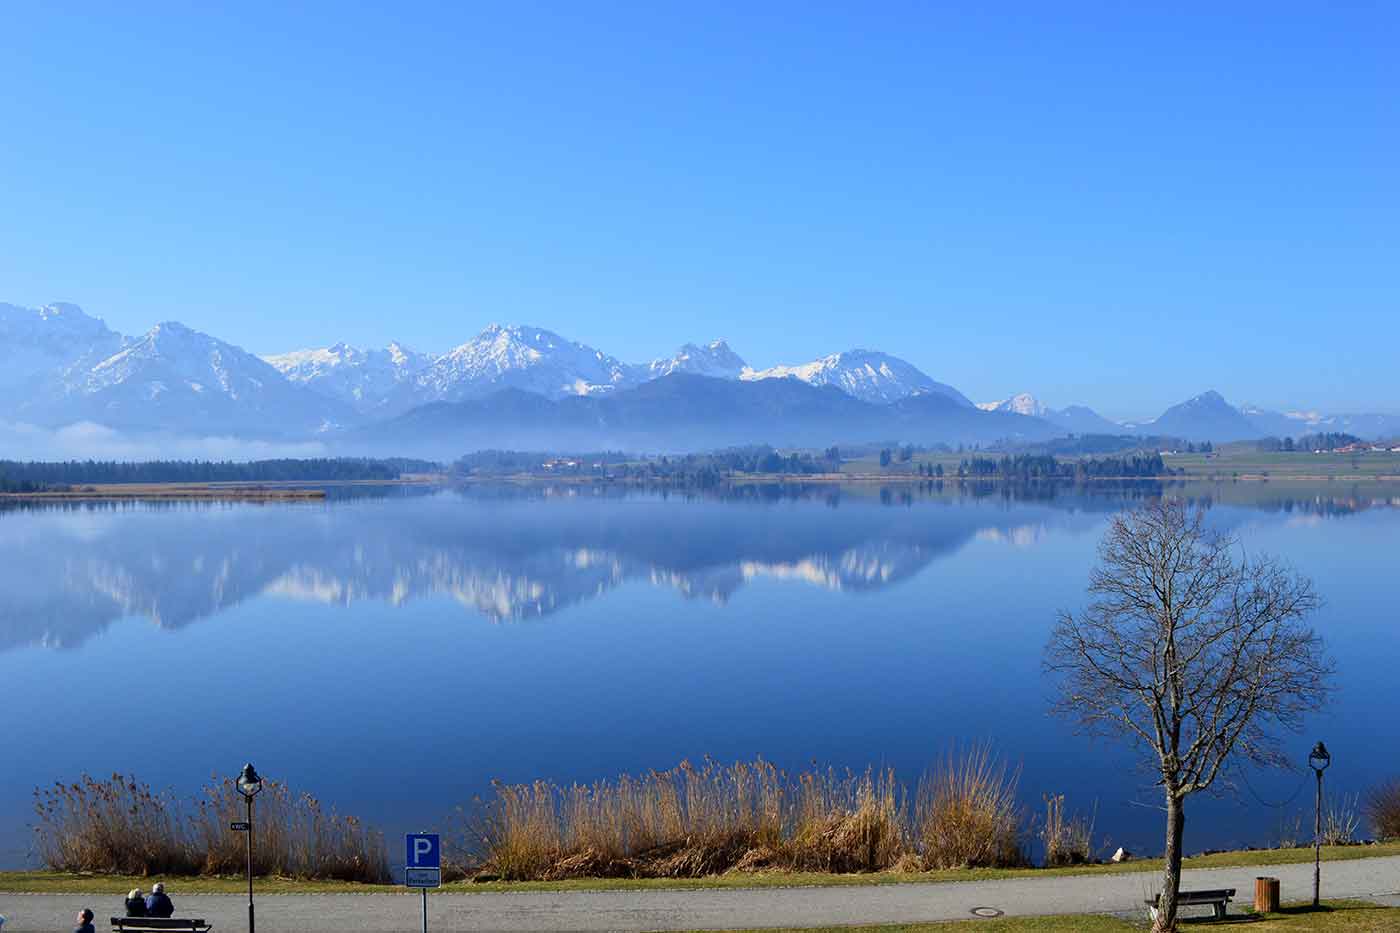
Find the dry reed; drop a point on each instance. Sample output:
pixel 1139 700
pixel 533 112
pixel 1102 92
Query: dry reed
pixel 1068 838
pixel 1383 809
pixel 966 815
pixel 1341 818
pixel 121 826
pixel 693 821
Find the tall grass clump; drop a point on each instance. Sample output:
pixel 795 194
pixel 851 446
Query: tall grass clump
pixel 1341 818
pixel 966 815
pixel 121 826
pixel 114 826
pixel 693 821
pixel 846 822
pixel 1068 838
pixel 1383 809
pixel 688 822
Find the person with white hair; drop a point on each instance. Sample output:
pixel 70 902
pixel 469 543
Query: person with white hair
pixel 135 904
pixel 158 904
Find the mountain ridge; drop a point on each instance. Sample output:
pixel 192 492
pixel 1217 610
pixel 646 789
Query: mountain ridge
pixel 59 365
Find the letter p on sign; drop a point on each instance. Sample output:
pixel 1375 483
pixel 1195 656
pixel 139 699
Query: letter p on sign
pixel 424 851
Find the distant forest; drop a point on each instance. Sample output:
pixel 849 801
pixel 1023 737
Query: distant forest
pixel 1030 466
pixel 16 476
pixel 712 468
pixel 1308 442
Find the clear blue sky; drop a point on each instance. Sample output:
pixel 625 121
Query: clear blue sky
pixel 1118 207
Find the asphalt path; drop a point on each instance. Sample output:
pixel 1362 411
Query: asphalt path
pixel 714 909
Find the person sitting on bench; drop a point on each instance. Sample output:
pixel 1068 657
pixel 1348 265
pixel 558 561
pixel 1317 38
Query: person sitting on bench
pixel 135 904
pixel 158 904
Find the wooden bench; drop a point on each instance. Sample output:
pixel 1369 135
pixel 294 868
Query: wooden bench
pixel 153 924
pixel 1216 899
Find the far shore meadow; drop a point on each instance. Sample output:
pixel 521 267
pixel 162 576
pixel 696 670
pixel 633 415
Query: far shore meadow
pixel 1231 464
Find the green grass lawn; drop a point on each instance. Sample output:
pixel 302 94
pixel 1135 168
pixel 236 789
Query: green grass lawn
pixel 58 883
pixel 1253 463
pixel 1333 916
pixel 1242 459
pixel 1074 924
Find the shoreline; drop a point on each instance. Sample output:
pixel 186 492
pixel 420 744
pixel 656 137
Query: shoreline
pixel 315 490
pixel 252 491
pixel 151 492
pixel 829 479
pixel 42 881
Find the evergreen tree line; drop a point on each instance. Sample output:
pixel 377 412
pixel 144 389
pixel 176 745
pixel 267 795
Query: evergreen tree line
pixel 1327 440
pixel 33 476
pixel 709 469
pixel 1035 466
pixel 524 461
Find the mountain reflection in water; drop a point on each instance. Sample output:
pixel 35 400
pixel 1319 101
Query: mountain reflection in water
pixel 68 571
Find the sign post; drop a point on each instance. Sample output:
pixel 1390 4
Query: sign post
pixel 423 865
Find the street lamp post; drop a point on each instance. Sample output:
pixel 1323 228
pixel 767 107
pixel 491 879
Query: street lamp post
pixel 1318 760
pixel 249 785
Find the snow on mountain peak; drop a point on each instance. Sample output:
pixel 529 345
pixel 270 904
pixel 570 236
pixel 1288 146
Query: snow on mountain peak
pixel 522 357
pixel 714 359
pixel 61 309
pixel 361 378
pixel 44 350
pixel 868 375
pixel 1022 403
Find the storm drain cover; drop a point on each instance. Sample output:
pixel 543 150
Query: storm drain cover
pixel 986 912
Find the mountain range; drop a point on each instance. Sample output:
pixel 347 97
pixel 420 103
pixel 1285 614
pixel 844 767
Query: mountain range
pixel 513 384
pixel 543 363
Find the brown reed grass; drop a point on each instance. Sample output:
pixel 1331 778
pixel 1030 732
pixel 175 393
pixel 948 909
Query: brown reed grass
pixel 1383 809
pixel 121 826
pixel 1068 838
pixel 966 815
pixel 693 821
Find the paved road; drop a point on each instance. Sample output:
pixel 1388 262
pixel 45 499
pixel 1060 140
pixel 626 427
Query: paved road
pixel 712 909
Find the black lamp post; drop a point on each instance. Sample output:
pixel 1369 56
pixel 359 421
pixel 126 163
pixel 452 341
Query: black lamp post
pixel 249 785
pixel 1318 760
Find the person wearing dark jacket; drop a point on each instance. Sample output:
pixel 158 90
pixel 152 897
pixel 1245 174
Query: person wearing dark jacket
pixel 158 904
pixel 85 922
pixel 135 904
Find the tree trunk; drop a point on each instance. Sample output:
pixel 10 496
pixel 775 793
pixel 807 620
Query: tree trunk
pixel 1171 875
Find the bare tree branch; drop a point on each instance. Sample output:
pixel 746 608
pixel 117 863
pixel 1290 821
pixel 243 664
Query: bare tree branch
pixel 1196 656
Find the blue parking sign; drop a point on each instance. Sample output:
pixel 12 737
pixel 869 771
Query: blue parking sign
pixel 424 850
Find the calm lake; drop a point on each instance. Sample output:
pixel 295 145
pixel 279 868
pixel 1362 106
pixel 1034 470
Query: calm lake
pixel 395 653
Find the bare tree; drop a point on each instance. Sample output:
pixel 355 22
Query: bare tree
pixel 1197 656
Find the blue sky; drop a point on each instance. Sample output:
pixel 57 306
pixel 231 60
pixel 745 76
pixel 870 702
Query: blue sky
pixel 1121 207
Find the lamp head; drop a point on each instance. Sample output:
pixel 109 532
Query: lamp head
pixel 1319 759
pixel 249 782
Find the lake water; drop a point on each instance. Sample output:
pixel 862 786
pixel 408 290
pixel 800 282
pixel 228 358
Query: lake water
pixel 394 654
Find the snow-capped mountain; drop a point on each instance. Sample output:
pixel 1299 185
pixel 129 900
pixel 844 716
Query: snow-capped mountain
pixel 868 375
pixel 1021 404
pixel 43 351
pixel 714 359
pixel 1076 419
pixel 519 357
pixel 363 379
pixel 59 365
pixel 1298 423
pixel 177 379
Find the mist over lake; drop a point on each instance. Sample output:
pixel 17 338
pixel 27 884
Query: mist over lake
pixel 393 654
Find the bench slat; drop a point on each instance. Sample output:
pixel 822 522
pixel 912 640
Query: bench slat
pixel 155 924
pixel 1217 898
